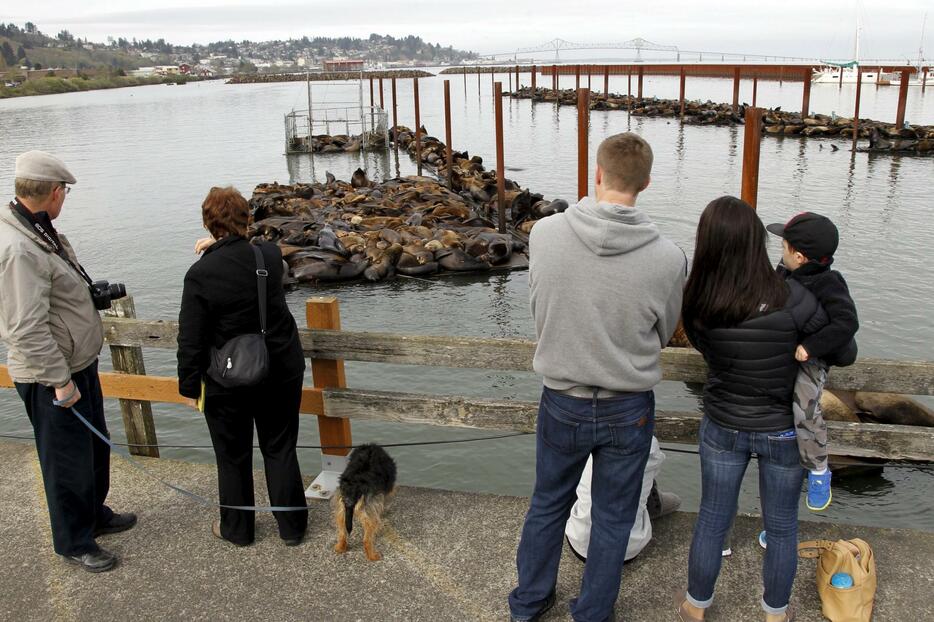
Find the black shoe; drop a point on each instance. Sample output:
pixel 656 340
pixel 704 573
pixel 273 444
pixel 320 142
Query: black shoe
pixel 98 561
pixel 549 603
pixel 293 541
pixel 117 523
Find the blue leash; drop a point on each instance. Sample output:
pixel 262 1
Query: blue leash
pixel 198 498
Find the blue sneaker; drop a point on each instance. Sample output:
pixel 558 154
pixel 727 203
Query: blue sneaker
pixel 819 495
pixel 762 541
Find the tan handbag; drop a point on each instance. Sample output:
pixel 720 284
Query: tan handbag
pixel 855 558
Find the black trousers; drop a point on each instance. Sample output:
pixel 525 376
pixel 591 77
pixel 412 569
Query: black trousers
pixel 75 463
pixel 230 418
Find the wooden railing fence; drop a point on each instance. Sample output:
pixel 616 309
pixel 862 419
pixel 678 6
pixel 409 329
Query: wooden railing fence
pixel 327 345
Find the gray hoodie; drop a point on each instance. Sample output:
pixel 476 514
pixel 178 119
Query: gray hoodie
pixel 606 292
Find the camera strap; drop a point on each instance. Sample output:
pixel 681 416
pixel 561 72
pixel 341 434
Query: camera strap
pixel 50 237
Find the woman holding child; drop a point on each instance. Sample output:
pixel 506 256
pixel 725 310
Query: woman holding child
pixel 747 321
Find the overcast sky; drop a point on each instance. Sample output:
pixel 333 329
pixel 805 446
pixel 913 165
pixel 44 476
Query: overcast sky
pixel 823 28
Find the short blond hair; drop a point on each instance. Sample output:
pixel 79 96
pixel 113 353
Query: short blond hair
pixel 32 189
pixel 626 162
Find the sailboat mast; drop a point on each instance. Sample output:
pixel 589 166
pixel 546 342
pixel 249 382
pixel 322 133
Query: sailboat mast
pixel 924 21
pixel 856 50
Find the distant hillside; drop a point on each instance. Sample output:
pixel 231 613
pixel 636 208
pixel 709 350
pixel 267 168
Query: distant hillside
pixel 27 45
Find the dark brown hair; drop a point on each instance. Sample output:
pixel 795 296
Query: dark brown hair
pixel 225 212
pixel 626 162
pixel 731 277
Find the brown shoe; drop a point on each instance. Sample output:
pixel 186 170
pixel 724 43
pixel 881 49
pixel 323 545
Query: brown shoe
pixel 681 599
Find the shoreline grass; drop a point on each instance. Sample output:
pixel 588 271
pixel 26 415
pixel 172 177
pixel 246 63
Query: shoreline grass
pixel 52 85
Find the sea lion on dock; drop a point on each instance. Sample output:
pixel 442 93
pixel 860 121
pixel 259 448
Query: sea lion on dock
pixel 359 179
pixel 383 263
pixel 457 260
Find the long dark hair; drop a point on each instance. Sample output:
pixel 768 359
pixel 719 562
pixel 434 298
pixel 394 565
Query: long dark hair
pixel 731 277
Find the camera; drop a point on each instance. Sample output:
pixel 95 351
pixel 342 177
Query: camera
pixel 102 292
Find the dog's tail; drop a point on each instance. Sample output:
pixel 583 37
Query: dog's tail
pixel 348 513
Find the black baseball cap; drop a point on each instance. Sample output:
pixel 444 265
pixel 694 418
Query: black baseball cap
pixel 813 235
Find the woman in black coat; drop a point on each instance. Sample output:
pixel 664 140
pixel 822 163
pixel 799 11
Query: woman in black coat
pixel 746 321
pixel 220 302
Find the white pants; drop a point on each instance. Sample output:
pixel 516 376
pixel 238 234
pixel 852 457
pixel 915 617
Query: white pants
pixel 578 525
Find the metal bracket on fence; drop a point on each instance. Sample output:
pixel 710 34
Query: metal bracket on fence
pixel 325 485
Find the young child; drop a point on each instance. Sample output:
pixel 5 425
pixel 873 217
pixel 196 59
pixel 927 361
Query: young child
pixel 809 241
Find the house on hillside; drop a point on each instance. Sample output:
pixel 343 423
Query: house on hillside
pixel 343 64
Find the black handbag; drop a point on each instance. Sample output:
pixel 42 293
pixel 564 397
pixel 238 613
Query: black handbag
pixel 244 360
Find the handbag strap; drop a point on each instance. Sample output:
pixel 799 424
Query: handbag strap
pixel 261 274
pixel 809 549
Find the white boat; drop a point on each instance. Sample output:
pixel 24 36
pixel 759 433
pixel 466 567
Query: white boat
pixel 831 73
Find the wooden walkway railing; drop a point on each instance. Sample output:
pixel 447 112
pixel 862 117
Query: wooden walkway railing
pixel 336 406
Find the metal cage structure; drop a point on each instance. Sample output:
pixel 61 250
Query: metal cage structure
pixel 362 125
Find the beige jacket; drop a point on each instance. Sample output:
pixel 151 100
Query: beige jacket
pixel 47 318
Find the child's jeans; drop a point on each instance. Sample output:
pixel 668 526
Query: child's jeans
pixel 809 419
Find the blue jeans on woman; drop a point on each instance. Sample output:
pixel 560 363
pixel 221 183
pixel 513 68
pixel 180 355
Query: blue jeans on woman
pixel 724 455
pixel 618 432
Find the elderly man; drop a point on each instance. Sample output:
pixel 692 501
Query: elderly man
pixel 53 334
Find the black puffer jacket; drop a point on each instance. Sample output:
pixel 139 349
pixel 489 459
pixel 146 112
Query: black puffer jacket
pixel 219 302
pixel 752 366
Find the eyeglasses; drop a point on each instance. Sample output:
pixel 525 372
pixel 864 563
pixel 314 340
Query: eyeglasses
pixel 67 189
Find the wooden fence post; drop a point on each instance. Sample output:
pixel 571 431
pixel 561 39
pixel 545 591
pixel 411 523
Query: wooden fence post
pixel 324 313
pixel 137 416
pixel 751 146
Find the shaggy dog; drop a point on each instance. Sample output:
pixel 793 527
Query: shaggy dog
pixel 366 486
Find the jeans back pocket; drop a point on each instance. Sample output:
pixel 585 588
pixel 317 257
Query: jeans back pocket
pixel 633 437
pixel 556 431
pixel 716 438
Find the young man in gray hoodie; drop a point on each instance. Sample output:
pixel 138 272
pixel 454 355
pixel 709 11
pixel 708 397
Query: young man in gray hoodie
pixel 606 293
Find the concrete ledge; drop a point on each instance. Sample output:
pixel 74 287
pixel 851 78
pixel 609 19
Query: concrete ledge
pixel 447 556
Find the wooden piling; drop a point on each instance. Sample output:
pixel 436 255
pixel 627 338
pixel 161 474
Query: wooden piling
pixel 755 90
pixel 878 78
pixel 840 86
pixel 583 126
pixel 465 82
pixel 447 133
pixel 324 313
pixel 418 129
pixel 751 145
pixel 606 80
pixel 924 80
pixel 381 104
pixel 589 74
pixel 554 80
pixel 735 89
pixel 577 77
pixel 806 99
pixel 478 83
pixel 902 99
pixel 859 90
pixel 641 75
pixel 629 90
pixel 681 91
pixel 500 167
pixel 518 81
pixel 534 80
pixel 137 415
pixel 371 93
pixel 395 116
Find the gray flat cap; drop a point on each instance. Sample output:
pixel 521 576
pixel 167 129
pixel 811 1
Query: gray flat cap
pixel 42 166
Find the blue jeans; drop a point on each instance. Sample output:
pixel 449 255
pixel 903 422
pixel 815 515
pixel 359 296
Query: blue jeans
pixel 618 433
pixel 724 455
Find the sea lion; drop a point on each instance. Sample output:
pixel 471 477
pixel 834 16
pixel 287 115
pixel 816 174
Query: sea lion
pixel 383 264
pixel 390 236
pixel 419 270
pixel 359 179
pixel 891 408
pixel 457 260
pixel 328 240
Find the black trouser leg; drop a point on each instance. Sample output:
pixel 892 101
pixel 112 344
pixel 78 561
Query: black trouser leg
pixel 231 425
pixel 89 383
pixel 75 469
pixel 277 429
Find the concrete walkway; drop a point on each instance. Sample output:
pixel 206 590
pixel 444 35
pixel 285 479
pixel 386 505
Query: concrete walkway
pixel 447 556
